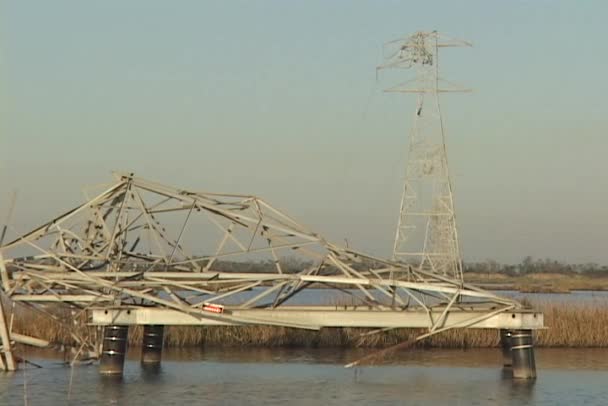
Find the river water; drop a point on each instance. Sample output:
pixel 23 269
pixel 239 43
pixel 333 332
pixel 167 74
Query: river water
pixel 315 376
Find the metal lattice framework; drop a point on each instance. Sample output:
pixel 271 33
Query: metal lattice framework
pixel 127 257
pixel 426 235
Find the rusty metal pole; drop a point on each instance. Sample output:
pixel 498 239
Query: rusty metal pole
pixel 152 345
pixel 522 353
pixel 114 350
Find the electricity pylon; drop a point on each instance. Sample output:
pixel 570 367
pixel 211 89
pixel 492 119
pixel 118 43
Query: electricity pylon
pixel 426 235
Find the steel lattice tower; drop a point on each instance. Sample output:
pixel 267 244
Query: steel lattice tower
pixel 426 234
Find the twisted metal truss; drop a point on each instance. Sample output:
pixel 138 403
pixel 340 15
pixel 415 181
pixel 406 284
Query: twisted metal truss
pixel 426 234
pixel 142 245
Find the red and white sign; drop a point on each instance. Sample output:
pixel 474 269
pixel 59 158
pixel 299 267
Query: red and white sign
pixel 213 308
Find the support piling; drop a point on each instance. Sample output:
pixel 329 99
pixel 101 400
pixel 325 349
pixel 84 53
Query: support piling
pixel 114 350
pixel 152 345
pixel 505 345
pixel 522 353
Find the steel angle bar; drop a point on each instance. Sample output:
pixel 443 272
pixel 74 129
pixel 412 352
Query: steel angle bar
pixel 416 299
pixel 234 291
pixel 176 298
pixel 183 308
pixel 384 291
pixel 36 233
pixel 181 232
pixel 263 294
pixel 348 271
pixel 228 233
pixel 189 286
pixel 151 226
pixel 296 287
pixel 464 324
pixel 441 318
pixel 56 297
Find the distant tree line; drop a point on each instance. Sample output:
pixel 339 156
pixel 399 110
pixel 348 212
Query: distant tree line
pixel 529 265
pixel 293 264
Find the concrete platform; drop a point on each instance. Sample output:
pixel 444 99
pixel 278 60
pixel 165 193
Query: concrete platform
pixel 324 316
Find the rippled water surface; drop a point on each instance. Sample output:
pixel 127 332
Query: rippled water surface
pixel 302 377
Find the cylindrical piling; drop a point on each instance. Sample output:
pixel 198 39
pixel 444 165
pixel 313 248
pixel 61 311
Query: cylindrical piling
pixel 114 350
pixel 505 345
pixel 152 345
pixel 522 353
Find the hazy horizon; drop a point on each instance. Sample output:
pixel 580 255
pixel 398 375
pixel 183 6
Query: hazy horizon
pixel 280 99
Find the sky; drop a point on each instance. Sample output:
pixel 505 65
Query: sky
pixel 280 99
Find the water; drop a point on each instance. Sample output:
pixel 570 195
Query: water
pixel 304 377
pixel 574 297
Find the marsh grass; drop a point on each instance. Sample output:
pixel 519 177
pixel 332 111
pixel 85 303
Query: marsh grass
pixel 569 325
pixel 543 282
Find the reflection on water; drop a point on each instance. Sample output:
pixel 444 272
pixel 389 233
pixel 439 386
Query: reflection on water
pixel 263 376
pixel 548 358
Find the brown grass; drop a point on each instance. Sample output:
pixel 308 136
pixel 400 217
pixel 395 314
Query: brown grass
pixel 569 325
pixel 539 282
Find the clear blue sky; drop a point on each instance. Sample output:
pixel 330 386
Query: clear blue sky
pixel 280 99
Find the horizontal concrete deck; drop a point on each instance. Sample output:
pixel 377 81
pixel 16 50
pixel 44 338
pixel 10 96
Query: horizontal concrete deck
pixel 324 316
